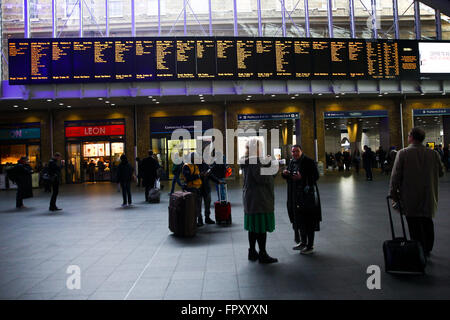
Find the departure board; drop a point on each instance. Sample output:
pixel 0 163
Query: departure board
pixel 226 58
pixel 302 59
pixel 40 61
pixel 357 65
pixel 75 60
pixel 124 59
pixel 145 51
pixel 264 54
pixel 245 58
pixel 186 59
pixel 321 56
pixel 61 60
pixel 408 59
pixel 374 55
pixel 104 60
pixel 391 63
pixel 339 59
pixel 19 57
pixel 83 60
pixel 206 58
pixel 284 58
pixel 165 59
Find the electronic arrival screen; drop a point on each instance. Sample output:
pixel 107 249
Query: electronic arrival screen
pixel 206 58
pixel 61 60
pixel 34 61
pixel 302 59
pixel 40 61
pixel 83 60
pixel 265 58
pixel 186 59
pixel 226 58
pixel 321 57
pixel 124 59
pixel 284 58
pixel 245 58
pixel 165 59
pixel 19 61
pixel 145 64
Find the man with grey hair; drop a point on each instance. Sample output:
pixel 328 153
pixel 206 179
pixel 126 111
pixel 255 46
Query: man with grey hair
pixel 414 187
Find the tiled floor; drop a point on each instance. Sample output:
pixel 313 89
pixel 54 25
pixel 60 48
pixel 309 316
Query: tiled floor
pixel 130 253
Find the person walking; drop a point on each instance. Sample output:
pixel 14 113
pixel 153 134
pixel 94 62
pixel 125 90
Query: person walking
pixel 356 159
pixel 303 200
pixel 149 168
pixel 125 174
pixel 193 181
pixel 258 199
pixel 367 158
pixel 414 186
pixel 54 172
pixel 20 174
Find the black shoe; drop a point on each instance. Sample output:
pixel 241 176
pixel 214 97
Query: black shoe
pixel 200 223
pixel 253 255
pixel 55 209
pixel 208 220
pixel 265 258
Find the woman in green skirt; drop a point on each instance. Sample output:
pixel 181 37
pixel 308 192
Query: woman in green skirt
pixel 258 199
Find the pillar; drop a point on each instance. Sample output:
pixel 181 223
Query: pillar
pixel 384 133
pixel 354 130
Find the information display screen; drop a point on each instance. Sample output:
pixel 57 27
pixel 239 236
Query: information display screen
pixel 34 61
pixel 186 59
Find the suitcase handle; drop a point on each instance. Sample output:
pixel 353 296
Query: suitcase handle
pixel 226 193
pixel 390 218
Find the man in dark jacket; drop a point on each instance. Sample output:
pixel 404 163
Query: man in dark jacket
pixel 301 176
pixel 193 179
pixel 54 172
pixel 206 189
pixel 20 174
pixel 149 168
pixel 125 173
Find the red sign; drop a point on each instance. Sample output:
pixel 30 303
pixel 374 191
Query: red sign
pixel 95 131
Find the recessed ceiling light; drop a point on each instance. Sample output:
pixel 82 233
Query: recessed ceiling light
pixel 157 102
pixel 106 101
pixel 49 100
pixel 386 92
pixel 380 95
pixel 61 104
pixel 337 96
pixel 69 106
pixel 343 93
pixel 249 96
pixel 422 94
pixel 15 106
pixel 100 99
pixel 113 104
pixel 296 95
pixel 272 95
pixel 320 94
pixel 292 97
pixel 25 108
pixel 153 100
pixel 150 97
pixel 200 95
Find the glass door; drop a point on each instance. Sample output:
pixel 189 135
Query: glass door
pixel 74 171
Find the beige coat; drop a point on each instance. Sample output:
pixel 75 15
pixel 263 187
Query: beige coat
pixel 415 180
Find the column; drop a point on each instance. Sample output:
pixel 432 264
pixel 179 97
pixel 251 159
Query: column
pixel 354 130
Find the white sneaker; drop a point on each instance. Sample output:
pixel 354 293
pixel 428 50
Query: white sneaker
pixel 307 250
pixel 299 246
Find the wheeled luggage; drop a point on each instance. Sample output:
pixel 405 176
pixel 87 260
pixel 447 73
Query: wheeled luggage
pixel 154 195
pixel 400 254
pixel 222 207
pixel 182 214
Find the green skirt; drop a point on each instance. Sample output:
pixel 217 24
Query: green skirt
pixel 259 222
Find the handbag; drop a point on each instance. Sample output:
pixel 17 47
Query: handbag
pixel 158 184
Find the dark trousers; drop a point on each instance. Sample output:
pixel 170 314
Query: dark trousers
pixel 307 230
pixel 55 188
pixel 368 172
pixel 19 200
pixel 422 229
pixel 150 186
pixel 198 201
pixel 126 191
pixel 206 197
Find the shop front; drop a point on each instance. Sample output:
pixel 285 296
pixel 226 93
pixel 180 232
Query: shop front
pixel 18 140
pixel 435 123
pixel 93 149
pixel 162 144
pixel 253 126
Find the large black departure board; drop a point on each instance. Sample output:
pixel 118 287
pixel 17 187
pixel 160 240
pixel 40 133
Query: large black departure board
pixel 41 60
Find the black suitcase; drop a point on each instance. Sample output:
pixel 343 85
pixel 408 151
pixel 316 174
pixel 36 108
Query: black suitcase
pixel 400 254
pixel 182 214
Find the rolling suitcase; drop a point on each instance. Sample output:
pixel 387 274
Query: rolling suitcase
pixel 400 254
pixel 182 214
pixel 222 208
pixel 154 195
